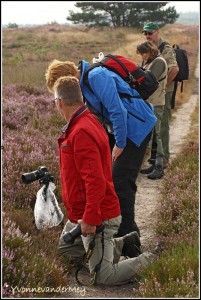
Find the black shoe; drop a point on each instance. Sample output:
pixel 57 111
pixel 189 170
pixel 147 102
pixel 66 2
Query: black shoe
pixel 127 228
pixel 151 161
pixel 147 170
pixel 132 245
pixel 157 173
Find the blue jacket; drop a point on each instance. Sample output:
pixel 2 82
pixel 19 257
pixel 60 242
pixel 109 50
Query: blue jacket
pixel 131 118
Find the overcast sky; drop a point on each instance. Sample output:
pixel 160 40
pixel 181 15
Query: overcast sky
pixel 43 12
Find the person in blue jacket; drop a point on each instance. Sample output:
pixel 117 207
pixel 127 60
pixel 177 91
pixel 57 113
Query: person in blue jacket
pixel 128 120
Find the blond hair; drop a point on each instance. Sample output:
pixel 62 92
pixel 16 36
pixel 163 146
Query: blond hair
pixel 58 69
pixel 68 89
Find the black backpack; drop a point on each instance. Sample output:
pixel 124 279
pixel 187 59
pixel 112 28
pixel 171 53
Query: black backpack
pixel 182 61
pixel 142 80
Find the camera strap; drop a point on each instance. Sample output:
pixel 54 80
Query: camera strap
pixel 88 256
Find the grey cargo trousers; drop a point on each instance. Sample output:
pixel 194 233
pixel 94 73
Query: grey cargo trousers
pixel 112 271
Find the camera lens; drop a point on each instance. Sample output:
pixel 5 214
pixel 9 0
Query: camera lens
pixel 35 175
pixel 70 236
pixel 30 177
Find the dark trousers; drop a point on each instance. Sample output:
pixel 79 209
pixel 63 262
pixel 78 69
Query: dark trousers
pixel 125 171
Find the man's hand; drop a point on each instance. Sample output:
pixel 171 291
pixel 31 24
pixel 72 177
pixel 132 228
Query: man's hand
pixel 116 152
pixel 171 75
pixel 86 228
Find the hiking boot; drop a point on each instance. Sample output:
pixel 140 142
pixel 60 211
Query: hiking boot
pixel 132 245
pixel 128 226
pixel 147 170
pixel 151 161
pixel 152 157
pixel 157 173
pixel 123 232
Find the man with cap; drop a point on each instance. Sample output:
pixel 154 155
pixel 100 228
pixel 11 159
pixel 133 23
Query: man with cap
pixel 152 34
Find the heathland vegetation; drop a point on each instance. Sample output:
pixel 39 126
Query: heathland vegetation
pixel 31 125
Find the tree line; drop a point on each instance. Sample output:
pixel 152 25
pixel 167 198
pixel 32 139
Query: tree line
pixel 122 14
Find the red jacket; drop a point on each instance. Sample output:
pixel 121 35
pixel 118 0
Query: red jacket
pixel 86 170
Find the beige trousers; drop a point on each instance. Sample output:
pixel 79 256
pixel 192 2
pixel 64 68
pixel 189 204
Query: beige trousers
pixel 112 271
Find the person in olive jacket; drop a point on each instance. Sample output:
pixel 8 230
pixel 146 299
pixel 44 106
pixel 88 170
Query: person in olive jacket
pixel 151 31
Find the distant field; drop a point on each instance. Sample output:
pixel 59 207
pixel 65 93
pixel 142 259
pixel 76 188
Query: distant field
pixel 26 52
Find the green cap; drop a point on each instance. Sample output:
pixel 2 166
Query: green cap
pixel 151 26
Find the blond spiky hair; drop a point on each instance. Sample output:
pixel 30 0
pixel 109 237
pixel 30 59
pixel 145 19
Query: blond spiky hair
pixel 58 69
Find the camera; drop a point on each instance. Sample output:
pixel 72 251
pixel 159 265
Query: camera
pixel 71 235
pixel 41 174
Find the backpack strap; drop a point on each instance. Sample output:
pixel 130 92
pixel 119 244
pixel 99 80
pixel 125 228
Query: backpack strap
pixel 129 75
pixel 175 46
pixel 162 79
pixel 174 94
pixel 162 46
pixel 86 258
pixel 86 80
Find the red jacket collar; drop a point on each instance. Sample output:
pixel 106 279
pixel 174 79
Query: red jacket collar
pixel 80 110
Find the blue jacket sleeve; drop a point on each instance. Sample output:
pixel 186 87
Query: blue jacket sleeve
pixel 104 87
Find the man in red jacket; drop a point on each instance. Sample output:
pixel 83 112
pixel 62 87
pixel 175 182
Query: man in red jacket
pixel 88 191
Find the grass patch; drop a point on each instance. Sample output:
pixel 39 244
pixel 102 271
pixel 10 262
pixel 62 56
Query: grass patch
pixel 174 275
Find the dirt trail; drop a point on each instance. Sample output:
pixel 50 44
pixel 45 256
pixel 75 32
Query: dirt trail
pixel 148 193
pixel 147 200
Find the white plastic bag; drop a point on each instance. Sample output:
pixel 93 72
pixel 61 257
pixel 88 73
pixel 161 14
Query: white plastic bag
pixel 47 212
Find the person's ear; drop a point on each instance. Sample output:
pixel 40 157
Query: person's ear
pixel 60 103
